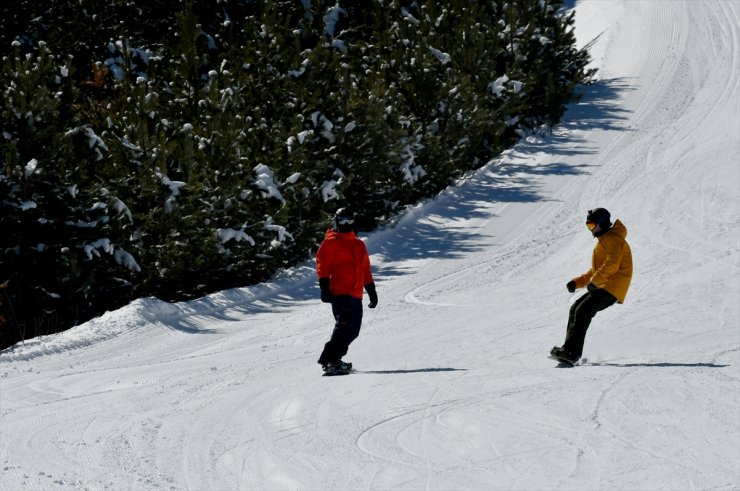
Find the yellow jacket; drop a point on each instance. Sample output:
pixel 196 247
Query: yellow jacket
pixel 611 263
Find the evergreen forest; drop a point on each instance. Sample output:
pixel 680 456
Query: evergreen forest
pixel 175 148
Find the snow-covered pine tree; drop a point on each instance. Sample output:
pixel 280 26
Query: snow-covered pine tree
pixel 59 249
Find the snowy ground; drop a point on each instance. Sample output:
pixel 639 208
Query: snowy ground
pixel 456 390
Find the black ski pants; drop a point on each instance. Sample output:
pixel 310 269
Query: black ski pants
pixel 347 312
pixel 581 312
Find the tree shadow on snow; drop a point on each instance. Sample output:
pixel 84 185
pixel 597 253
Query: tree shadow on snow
pixel 441 232
pixel 568 4
pixel 278 295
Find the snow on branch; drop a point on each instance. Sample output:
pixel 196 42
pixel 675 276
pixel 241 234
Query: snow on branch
pixel 31 167
pixel 282 233
pixel 331 18
pixel 324 126
pixel 329 190
pixel 300 137
pixel 266 183
pixel 126 260
pixel 174 187
pixel 293 178
pixel 93 141
pixel 498 86
pixel 226 234
pixel 121 208
pixel 409 169
pixel 121 257
pixel 440 55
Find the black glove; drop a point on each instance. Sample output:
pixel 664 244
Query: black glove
pixel 326 295
pixel 571 286
pixel 592 288
pixel 370 288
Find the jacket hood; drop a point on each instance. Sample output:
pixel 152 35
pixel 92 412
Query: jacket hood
pixel 618 229
pixel 335 234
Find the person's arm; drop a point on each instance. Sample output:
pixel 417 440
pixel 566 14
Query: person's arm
pixel 323 271
pixel 584 279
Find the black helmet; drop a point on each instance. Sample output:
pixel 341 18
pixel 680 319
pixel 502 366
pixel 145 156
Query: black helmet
pixel 344 220
pixel 601 217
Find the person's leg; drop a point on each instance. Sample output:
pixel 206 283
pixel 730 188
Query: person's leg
pixel 560 350
pixel 579 319
pixel 348 319
pixel 355 323
pixel 572 313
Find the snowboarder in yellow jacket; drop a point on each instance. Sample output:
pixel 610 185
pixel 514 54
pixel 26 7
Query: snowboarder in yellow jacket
pixel 607 281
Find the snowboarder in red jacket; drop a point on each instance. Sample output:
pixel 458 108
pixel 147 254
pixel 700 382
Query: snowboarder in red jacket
pixel 343 268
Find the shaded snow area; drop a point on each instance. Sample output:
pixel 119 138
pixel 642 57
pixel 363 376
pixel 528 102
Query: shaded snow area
pixel 454 389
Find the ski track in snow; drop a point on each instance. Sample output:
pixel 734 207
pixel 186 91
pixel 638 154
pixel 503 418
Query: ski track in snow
pixel 454 389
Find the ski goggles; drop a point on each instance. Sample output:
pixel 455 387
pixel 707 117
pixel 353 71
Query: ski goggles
pixel 591 225
pixel 345 220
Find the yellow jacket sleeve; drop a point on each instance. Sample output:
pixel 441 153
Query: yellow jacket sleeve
pixel 584 279
pixel 611 258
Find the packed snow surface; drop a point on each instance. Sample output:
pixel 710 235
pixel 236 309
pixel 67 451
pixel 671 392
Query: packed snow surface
pixel 454 389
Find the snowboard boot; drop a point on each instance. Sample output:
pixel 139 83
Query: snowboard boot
pixel 559 352
pixel 337 366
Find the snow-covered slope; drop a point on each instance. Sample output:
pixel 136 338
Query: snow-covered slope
pixel 455 389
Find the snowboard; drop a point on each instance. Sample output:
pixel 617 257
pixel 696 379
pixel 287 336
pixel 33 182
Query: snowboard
pixel 563 360
pixel 339 371
pixel 334 373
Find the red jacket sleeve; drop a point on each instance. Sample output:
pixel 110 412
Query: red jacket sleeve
pixel 323 259
pixel 367 275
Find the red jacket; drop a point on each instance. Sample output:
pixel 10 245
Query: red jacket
pixel 343 258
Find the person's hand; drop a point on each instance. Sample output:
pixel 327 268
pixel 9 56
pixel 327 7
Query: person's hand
pixel 373 294
pixel 571 286
pixel 326 295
